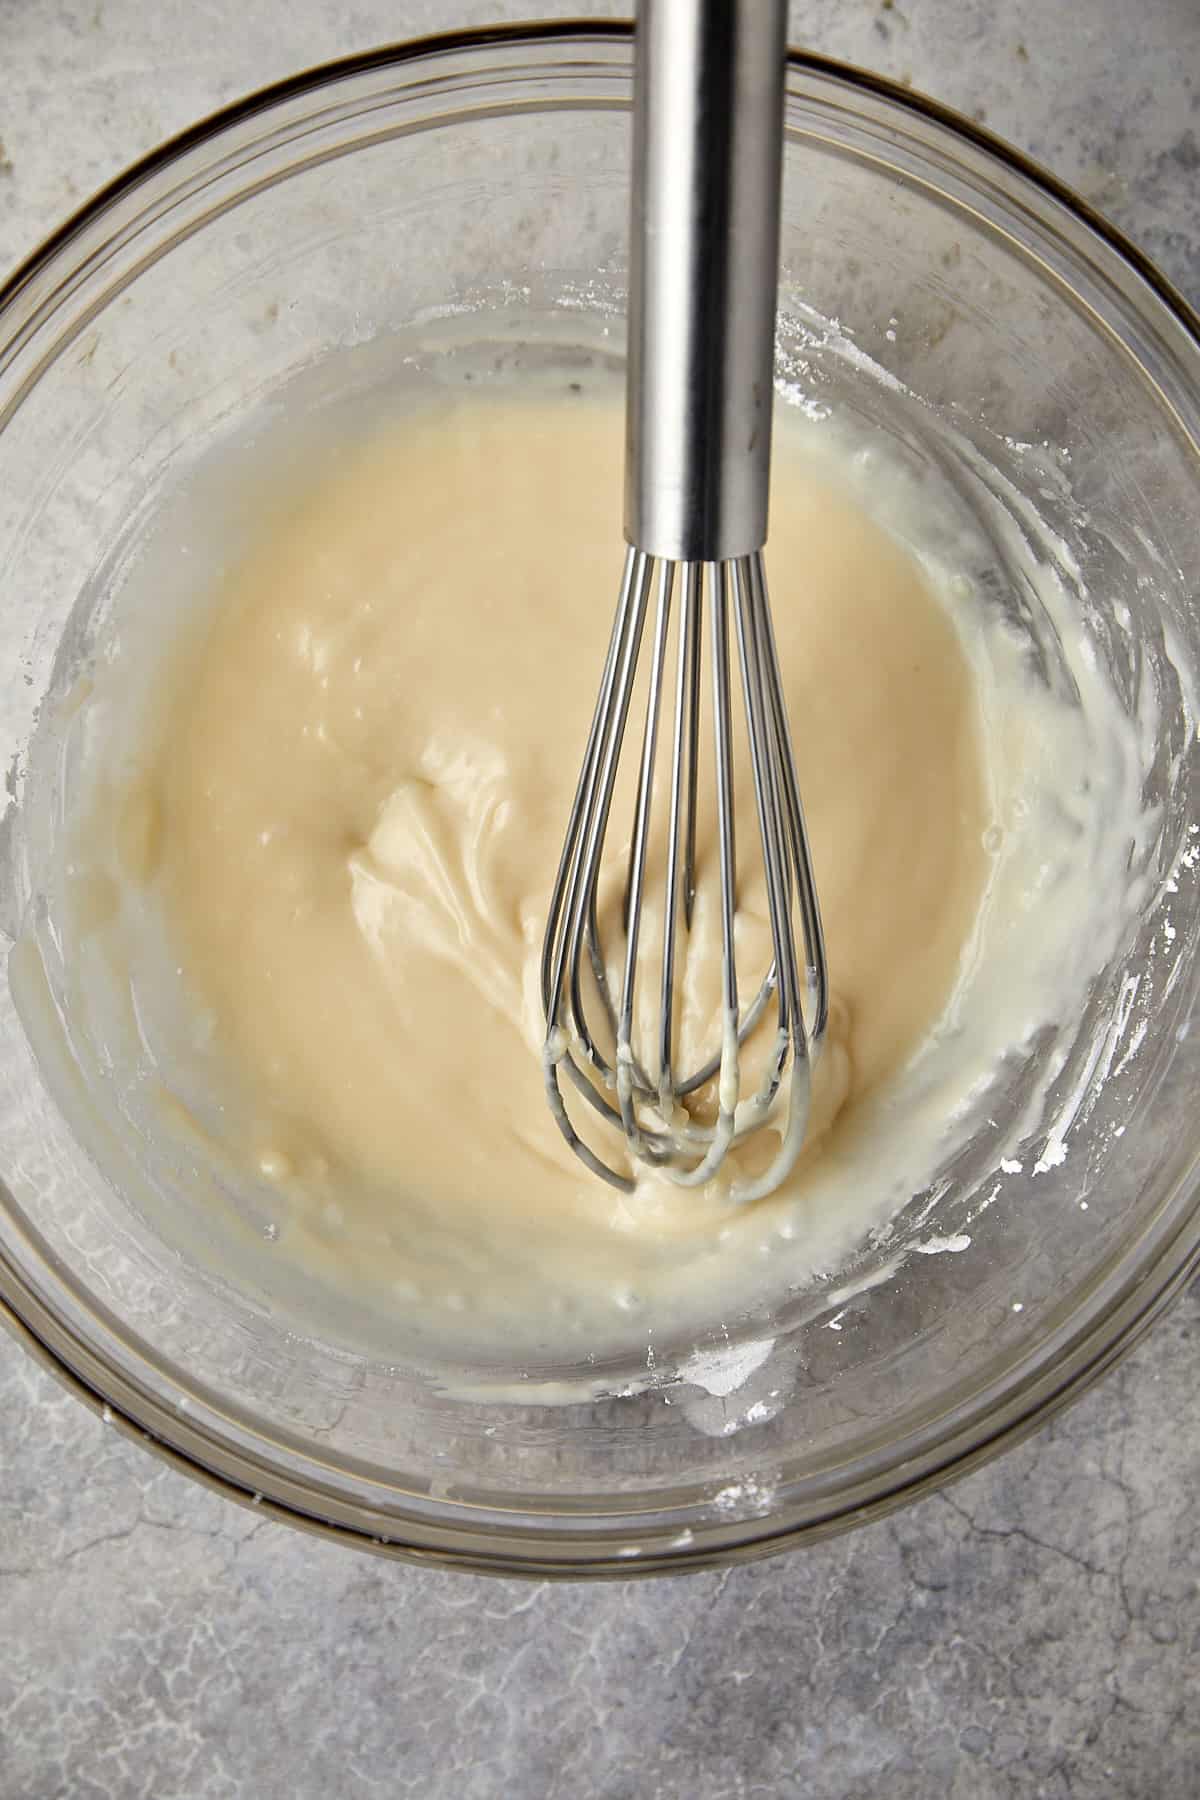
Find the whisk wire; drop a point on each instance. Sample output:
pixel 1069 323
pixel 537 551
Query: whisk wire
pixel 637 867
pixel 684 779
pixel 800 861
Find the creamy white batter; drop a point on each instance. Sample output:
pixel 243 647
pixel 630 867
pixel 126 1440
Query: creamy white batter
pixel 346 812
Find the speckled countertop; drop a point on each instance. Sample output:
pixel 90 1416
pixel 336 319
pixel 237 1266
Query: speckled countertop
pixel 1032 1631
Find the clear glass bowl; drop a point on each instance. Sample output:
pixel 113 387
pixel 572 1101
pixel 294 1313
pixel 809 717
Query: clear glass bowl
pixel 488 171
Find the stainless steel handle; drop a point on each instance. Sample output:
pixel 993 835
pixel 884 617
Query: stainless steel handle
pixel 704 273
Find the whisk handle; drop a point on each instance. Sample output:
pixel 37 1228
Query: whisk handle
pixel 704 270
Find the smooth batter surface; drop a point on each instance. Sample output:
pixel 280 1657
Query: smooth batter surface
pixel 358 804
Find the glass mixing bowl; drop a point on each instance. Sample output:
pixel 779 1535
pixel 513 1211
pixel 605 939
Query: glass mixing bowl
pixel 959 299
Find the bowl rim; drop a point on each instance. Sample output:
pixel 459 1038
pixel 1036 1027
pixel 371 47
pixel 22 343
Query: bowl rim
pixel 549 31
pixel 964 1447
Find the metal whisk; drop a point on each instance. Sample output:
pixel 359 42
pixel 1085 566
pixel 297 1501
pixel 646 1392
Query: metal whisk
pixel 707 169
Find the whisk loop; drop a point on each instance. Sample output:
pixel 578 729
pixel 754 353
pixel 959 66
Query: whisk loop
pixel 643 1094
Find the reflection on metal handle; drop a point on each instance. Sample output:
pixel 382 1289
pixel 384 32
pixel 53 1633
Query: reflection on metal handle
pixel 704 262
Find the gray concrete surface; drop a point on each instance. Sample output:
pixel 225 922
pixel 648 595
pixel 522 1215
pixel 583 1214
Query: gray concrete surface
pixel 1034 1631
